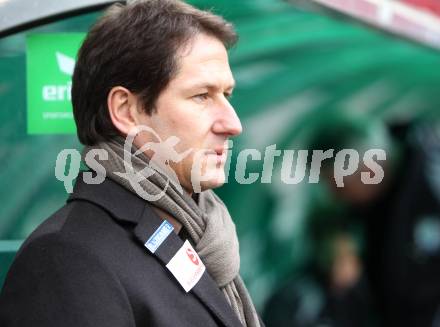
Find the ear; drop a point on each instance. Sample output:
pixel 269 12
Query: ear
pixel 123 109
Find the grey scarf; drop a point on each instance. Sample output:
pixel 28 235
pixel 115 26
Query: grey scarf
pixel 208 223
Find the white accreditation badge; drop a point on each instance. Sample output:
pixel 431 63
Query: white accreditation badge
pixel 186 266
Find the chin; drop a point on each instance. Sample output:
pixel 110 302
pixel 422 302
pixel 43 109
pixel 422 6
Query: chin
pixel 217 179
pixel 216 183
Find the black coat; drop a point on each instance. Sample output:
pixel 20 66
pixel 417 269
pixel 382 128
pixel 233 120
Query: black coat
pixel 87 266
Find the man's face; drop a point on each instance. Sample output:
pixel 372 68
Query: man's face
pixel 194 107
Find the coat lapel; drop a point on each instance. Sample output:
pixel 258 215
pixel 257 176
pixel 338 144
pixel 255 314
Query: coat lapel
pixel 126 206
pixel 206 290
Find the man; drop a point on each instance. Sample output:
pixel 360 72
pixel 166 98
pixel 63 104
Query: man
pixel 392 280
pixel 400 219
pixel 148 73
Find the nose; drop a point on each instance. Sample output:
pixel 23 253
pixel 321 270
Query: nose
pixel 227 121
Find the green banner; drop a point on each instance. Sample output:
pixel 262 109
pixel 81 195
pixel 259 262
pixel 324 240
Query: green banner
pixel 49 70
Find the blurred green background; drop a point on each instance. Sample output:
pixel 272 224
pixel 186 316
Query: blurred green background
pixel 295 70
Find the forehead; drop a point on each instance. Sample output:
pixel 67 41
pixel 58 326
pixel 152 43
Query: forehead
pixel 204 60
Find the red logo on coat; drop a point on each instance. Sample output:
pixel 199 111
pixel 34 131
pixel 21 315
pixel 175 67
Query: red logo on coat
pixel 192 256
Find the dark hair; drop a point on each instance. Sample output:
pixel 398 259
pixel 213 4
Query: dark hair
pixel 134 46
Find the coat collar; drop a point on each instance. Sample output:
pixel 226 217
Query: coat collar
pixel 112 197
pixel 123 205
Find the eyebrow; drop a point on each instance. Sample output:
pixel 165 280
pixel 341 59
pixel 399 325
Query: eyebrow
pixel 209 85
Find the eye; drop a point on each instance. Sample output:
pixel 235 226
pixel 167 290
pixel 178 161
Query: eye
pixel 228 95
pixel 201 96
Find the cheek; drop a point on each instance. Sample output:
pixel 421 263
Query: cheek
pixel 193 131
pixel 188 121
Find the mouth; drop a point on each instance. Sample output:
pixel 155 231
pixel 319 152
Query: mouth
pixel 220 153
